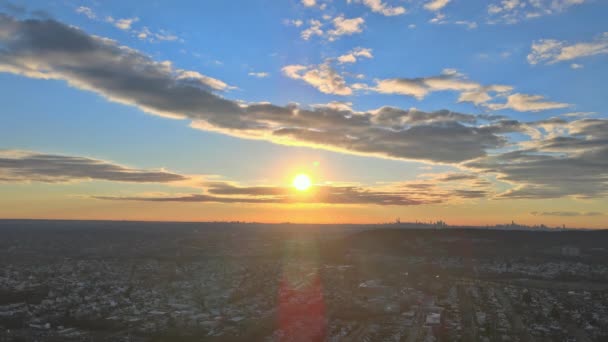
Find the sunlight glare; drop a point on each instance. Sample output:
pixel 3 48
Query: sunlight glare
pixel 302 182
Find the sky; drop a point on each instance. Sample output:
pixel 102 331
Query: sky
pixel 470 112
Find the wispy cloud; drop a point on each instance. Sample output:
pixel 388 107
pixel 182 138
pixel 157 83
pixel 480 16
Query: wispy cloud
pixel 126 24
pixel 436 5
pixel 86 11
pixel 566 213
pixel 378 6
pixel 513 11
pixel 259 74
pixel 354 54
pixel 323 77
pixel 448 80
pixel 396 194
pixel 527 103
pixel 550 51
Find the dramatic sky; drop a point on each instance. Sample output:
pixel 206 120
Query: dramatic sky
pixel 472 112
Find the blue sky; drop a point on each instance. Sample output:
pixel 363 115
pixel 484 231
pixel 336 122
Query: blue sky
pixel 526 61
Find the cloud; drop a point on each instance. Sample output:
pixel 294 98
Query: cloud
pixel 47 49
pixel 351 56
pixel 380 7
pixel 513 11
pixel 340 26
pixel 24 166
pixel 309 3
pixel 573 165
pixel 259 74
pixel 451 177
pixel 126 24
pixel 345 27
pixel 550 51
pixel 436 5
pixel 313 30
pixel 323 77
pixel 527 103
pixel 86 11
pixel 566 213
pixel 397 118
pixel 469 24
pixel 448 80
pixel 293 22
pixel 278 195
pixel 163 35
pixel 145 34
pixel 394 194
pixel 123 24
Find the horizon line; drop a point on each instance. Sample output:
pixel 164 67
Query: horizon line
pixel 498 226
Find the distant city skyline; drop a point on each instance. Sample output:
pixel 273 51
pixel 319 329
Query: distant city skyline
pixel 306 111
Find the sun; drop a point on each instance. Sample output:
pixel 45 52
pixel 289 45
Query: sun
pixel 302 182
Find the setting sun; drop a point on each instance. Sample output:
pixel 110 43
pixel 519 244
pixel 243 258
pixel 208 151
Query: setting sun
pixel 302 182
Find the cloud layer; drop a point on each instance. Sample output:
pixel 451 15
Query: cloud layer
pixel 570 160
pixel 21 166
pixel 574 165
pixel 47 49
pixel 430 191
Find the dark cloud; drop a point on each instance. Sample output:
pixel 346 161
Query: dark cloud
pixel 48 49
pixel 36 167
pixel 560 166
pixel 323 194
pixel 448 142
pixel 394 195
pixel 397 118
pixel 450 177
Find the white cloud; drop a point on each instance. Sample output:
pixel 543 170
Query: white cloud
pixel 259 74
pixel 469 24
pixel 351 57
pixel 448 80
pixel 436 5
pixel 309 3
pixel 323 77
pixel 88 12
pixel 165 36
pixel 513 11
pixel 144 33
pixel 378 6
pixel 527 103
pixel 345 27
pixel 576 66
pixel 551 51
pixel 294 22
pixel 123 24
pixel 438 19
pixel 313 30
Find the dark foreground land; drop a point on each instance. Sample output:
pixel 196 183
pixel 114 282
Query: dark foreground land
pixel 134 281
